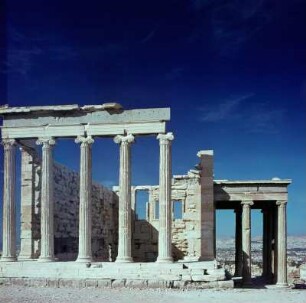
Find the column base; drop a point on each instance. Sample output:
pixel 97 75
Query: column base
pixel 25 258
pixel 124 260
pixel 164 260
pixel 84 260
pixel 46 259
pixel 191 259
pixel 282 285
pixel 8 259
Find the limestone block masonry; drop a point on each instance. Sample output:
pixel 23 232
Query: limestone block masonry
pixel 66 217
pixel 186 230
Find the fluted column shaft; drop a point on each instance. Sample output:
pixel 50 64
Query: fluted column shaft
pixel 47 202
pixel 9 203
pixel 165 212
pixel 85 208
pixel 246 242
pixel 125 230
pixel 281 244
pixel 238 243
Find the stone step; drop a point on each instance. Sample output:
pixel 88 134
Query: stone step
pixel 102 283
pixel 113 271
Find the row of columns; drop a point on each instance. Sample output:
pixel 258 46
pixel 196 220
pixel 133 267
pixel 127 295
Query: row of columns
pixel 274 234
pixel 85 212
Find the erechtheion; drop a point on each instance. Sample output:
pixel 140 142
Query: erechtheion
pixel 77 232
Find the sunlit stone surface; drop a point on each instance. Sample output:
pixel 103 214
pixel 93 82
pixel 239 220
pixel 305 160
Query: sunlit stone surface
pixel 67 217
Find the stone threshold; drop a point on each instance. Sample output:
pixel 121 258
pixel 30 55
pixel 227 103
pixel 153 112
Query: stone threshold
pixel 206 274
pixel 113 283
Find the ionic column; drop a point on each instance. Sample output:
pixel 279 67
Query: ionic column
pixel 281 244
pixel 165 220
pixel 85 208
pixel 238 243
pixel 125 230
pixel 9 203
pixel 246 241
pixel 47 202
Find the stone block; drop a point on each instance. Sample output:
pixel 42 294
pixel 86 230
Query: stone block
pixel 104 283
pixel 52 282
pixel 180 284
pixel 198 271
pixel 5 281
pixel 226 284
pixel 38 282
pixel 67 283
pixel 136 284
pixel 207 278
pixel 19 281
pixel 91 283
pixel 186 277
pixel 118 283
pixel 157 283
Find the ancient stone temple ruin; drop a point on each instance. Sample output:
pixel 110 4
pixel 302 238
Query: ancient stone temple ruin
pixel 77 232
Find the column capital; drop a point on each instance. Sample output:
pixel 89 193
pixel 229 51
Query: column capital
pixel 165 138
pixel 46 141
pixel 246 203
pixel 281 203
pixel 84 140
pixel 8 143
pixel 124 139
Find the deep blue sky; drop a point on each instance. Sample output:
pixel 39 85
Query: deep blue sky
pixel 233 73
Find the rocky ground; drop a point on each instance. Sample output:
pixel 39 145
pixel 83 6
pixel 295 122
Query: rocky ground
pixel 18 294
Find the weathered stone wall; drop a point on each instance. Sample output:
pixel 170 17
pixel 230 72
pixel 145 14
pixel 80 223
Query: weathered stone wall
pixel 30 204
pixel 186 232
pixel 66 214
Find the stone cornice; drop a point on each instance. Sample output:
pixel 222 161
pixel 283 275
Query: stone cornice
pixel 205 153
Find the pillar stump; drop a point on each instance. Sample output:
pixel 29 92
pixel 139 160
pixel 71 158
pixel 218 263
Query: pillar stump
pixel 246 242
pixel 281 244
